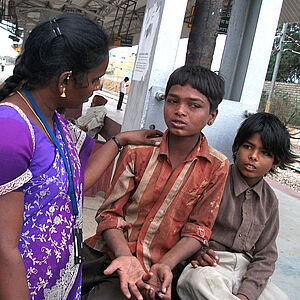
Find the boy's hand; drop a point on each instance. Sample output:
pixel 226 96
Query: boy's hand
pixel 242 297
pixel 131 273
pixel 205 257
pixel 160 281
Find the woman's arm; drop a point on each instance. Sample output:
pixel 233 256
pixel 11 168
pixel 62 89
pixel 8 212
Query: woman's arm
pixel 101 159
pixel 13 282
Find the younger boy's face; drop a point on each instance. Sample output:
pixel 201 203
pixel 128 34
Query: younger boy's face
pixel 253 160
pixel 186 111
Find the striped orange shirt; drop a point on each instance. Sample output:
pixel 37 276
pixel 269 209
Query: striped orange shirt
pixel 162 204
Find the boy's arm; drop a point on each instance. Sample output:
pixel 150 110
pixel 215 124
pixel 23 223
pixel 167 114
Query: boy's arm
pixel 111 213
pixel 263 263
pixel 112 225
pixel 128 267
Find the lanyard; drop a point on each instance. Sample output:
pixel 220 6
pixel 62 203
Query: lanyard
pixel 67 163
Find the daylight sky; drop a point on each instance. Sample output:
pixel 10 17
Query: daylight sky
pixel 6 44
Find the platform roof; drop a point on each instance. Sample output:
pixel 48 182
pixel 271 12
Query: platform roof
pixel 118 17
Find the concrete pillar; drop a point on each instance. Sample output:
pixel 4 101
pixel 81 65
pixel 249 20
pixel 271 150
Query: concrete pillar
pixel 244 66
pixel 155 61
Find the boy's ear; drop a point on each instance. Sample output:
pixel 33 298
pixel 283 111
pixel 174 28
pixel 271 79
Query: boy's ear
pixel 212 117
pixel 275 166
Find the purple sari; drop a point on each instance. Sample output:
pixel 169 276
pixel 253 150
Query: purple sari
pixel 46 242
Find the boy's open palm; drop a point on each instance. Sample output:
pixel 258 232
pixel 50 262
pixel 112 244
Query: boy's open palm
pixel 131 273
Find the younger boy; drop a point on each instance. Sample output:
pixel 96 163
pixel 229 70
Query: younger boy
pixel 242 250
pixel 163 200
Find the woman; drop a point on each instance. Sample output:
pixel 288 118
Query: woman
pixel 45 164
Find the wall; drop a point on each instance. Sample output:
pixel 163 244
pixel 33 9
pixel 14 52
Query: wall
pixel 285 101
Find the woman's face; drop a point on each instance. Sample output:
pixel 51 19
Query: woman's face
pixel 80 93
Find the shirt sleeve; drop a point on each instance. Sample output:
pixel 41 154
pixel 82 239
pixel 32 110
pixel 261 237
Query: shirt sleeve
pixel 111 213
pixel 265 255
pixel 16 152
pixel 204 214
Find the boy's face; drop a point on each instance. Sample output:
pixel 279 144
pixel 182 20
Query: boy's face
pixel 253 160
pixel 186 111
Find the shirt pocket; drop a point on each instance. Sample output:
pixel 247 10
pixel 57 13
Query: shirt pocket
pixel 253 235
pixel 184 205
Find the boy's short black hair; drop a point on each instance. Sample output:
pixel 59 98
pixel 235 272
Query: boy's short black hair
pixel 205 81
pixel 273 134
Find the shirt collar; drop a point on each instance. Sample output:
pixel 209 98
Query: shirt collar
pixel 200 150
pixel 240 185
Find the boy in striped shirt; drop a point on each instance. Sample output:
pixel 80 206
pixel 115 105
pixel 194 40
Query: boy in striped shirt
pixel 163 200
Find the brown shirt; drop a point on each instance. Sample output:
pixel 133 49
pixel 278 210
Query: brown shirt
pixel 248 222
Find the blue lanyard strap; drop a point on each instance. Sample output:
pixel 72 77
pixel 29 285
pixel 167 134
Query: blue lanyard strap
pixel 70 172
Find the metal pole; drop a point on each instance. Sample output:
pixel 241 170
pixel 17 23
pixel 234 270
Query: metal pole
pixel 276 66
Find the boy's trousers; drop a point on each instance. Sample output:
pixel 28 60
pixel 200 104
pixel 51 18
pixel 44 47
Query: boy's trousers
pixel 220 282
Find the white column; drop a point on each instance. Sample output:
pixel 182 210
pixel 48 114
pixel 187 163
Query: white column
pixel 155 61
pixel 260 52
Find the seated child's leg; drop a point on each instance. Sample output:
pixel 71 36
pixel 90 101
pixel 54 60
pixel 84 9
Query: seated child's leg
pixel 213 283
pixel 271 291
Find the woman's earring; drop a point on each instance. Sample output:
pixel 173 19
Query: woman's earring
pixel 63 94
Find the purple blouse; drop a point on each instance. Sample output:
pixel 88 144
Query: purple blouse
pixel 31 164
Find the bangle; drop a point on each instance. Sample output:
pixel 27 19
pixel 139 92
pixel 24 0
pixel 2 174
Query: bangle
pixel 120 147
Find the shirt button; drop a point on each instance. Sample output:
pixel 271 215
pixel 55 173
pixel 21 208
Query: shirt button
pixel 141 242
pixel 151 219
pixel 240 235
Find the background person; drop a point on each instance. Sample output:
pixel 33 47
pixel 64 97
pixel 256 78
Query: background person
pixel 45 160
pixel 93 121
pixel 123 86
pixel 17 60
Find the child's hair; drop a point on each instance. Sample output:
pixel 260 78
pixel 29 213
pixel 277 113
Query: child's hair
pixel 273 134
pixel 99 101
pixel 68 42
pixel 126 79
pixel 205 81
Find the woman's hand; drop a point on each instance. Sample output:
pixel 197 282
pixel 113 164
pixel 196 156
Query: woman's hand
pixel 139 137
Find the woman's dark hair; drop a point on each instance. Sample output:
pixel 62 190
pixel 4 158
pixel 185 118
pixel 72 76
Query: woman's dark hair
pixel 273 134
pixel 205 81
pixel 69 42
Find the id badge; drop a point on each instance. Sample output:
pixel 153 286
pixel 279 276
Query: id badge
pixel 78 245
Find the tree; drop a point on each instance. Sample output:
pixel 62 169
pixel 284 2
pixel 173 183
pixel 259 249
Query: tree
pixel 289 69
